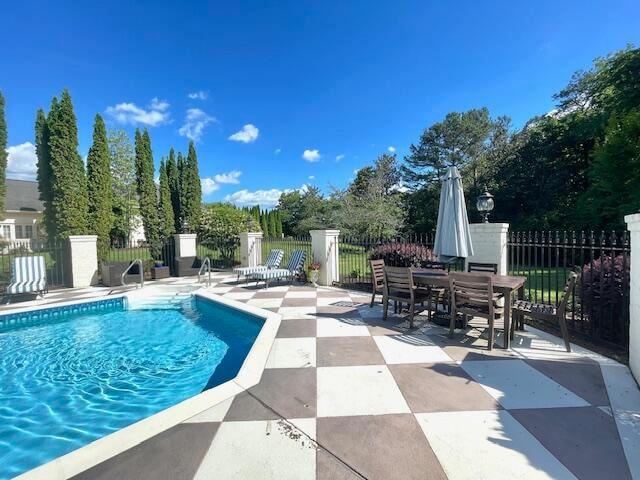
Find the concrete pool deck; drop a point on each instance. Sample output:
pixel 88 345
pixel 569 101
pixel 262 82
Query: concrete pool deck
pixel 345 395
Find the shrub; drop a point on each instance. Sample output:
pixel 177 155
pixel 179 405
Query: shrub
pixel 400 254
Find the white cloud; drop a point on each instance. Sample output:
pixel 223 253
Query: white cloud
pixel 340 157
pixel 277 151
pixel 312 177
pixel 247 134
pixel 311 156
pixel 400 187
pixel 199 95
pixel 211 184
pixel 264 198
pixel 156 113
pixel 391 149
pixel 194 124
pixel 22 161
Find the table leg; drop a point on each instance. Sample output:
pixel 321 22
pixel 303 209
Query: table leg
pixel 521 317
pixel 507 319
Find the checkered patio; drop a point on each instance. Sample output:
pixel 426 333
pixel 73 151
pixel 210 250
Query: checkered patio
pixel 345 395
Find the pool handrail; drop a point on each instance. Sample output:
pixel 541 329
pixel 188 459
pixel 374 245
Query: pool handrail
pixel 138 262
pixel 205 263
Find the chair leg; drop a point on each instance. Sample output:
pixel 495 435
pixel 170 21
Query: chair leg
pixel 491 333
pixel 385 308
pixel 429 302
pixel 412 311
pixel 565 332
pixel 373 299
pixel 452 321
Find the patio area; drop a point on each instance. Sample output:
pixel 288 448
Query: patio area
pixel 345 395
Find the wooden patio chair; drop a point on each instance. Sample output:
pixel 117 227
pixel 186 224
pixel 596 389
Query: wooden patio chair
pixel 439 295
pixel 482 267
pixel 377 278
pixel 545 312
pixel 398 286
pixel 473 295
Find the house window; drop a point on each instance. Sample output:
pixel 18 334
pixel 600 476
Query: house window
pixel 19 231
pixel 28 231
pixel 6 231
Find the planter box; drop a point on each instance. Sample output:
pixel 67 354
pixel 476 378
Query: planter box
pixel 159 272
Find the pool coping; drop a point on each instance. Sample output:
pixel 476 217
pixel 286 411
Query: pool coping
pixel 83 458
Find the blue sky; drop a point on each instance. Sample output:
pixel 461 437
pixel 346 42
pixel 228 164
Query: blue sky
pixel 259 85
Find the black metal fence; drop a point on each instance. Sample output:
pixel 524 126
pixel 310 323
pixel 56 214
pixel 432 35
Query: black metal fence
pixel 288 245
pixel 120 251
pixel 222 254
pixel 599 306
pixel 54 253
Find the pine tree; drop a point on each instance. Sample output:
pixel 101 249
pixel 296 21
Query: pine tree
pixel 3 155
pixel 182 192
pixel 264 225
pixel 173 178
pixel 69 182
pixel 272 224
pixel 192 195
pixel 99 187
pixel 45 175
pixel 147 194
pixel 278 224
pixel 167 218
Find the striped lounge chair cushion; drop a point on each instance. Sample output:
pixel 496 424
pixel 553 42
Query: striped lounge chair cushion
pixel 273 261
pixel 28 274
pixel 296 262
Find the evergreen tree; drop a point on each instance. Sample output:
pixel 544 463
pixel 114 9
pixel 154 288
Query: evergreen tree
pixel 272 223
pixel 173 178
pixel 45 174
pixel 3 154
pixel 182 181
pixel 147 194
pixel 167 218
pixel 192 190
pixel 99 187
pixel 278 224
pixel 264 225
pixel 68 181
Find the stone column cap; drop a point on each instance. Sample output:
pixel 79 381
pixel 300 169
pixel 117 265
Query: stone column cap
pixel 83 238
pixel 185 235
pixel 633 222
pixel 325 232
pixel 490 227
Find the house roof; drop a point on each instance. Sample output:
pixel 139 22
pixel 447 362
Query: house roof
pixel 22 196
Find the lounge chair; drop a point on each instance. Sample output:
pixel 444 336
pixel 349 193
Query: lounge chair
pixel 273 261
pixel 28 275
pixel 294 267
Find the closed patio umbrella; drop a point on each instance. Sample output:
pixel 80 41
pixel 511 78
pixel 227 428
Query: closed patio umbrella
pixel 452 231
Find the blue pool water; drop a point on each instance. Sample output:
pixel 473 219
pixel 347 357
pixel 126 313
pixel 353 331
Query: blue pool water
pixel 71 376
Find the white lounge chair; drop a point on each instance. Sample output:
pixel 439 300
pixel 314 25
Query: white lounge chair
pixel 273 261
pixel 28 275
pixel 294 267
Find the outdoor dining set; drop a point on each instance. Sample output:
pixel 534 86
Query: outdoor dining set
pixel 480 292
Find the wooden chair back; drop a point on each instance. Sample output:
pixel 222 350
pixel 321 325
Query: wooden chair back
pixel 398 281
pixel 377 273
pixel 566 293
pixel 472 293
pixel 482 267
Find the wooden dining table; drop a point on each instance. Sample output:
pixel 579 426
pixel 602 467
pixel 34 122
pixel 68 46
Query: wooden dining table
pixel 507 285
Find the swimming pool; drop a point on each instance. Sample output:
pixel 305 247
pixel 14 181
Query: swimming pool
pixel 70 375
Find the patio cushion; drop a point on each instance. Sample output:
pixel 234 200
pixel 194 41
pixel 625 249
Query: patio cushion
pixel 273 261
pixel 28 275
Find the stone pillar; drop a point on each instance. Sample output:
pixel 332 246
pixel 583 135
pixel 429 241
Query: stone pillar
pixel 250 249
pixel 324 244
pixel 489 244
pixel 82 270
pixel 185 244
pixel 633 225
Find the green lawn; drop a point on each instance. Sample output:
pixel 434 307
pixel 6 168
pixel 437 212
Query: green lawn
pixel 543 285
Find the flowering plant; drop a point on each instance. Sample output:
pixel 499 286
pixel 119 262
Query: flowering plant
pixel 400 254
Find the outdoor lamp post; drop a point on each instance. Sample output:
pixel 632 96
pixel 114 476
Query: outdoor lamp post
pixel 484 204
pixel 185 226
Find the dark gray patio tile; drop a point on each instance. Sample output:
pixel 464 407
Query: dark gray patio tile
pixel 331 467
pixel 582 376
pixel 299 302
pixel 335 312
pixel 268 294
pixel 332 294
pixel 378 447
pixel 175 453
pixel 440 387
pixel 297 328
pixel 584 439
pixel 347 351
pixel 281 393
pixel 468 348
pixel 302 288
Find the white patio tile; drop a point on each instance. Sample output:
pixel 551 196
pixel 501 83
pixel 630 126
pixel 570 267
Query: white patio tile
pixel 292 353
pixel 297 312
pixel 488 444
pixel 325 301
pixel 410 349
pixel 277 288
pixel 272 449
pixel 301 294
pixel 239 295
pixel 213 414
pixel 219 290
pixel 365 390
pixel 348 327
pixel 265 302
pixel 517 385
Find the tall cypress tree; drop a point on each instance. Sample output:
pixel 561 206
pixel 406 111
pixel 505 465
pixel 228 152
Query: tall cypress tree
pixel 173 178
pixel 3 154
pixel 99 187
pixel 182 192
pixel 278 223
pixel 193 189
pixel 147 194
pixel 167 218
pixel 264 225
pixel 69 182
pixel 272 224
pixel 45 175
